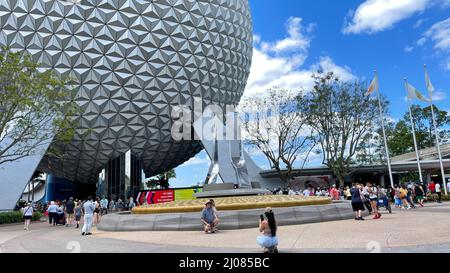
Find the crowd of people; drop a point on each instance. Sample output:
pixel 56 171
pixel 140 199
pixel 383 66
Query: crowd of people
pixel 407 196
pixel 362 196
pixel 333 192
pixel 69 213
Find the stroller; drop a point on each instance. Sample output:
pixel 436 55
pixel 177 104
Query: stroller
pixel 61 218
pixel 383 202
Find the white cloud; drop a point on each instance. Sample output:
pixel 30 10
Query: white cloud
pixel 421 41
pixel 409 49
pixel 439 96
pixel 197 161
pixel 326 64
pixel 439 34
pixel 419 23
pixel 297 41
pixel 377 15
pixel 279 63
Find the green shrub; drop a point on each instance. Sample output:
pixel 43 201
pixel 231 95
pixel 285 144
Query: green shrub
pixel 10 217
pixel 434 198
pixel 16 217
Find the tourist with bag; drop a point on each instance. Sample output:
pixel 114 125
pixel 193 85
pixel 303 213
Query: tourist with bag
pixel 27 213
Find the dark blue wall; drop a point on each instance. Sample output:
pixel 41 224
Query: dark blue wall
pixel 62 189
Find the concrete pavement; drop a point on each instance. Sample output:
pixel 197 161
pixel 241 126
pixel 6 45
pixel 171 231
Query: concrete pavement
pixel 421 230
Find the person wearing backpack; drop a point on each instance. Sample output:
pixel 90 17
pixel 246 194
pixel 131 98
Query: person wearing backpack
pixel 402 194
pixel 419 193
pixel 27 213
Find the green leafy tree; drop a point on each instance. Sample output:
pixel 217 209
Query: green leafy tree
pixel 400 138
pixel 423 121
pixel 341 116
pixel 35 107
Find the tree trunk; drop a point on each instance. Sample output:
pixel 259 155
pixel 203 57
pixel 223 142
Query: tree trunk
pixel 341 181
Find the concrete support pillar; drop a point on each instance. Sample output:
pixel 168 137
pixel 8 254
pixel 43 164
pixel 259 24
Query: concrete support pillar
pixel 382 181
pixel 428 177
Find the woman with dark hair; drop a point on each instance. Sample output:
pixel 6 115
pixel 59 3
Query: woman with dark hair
pixel 268 226
pixel 96 212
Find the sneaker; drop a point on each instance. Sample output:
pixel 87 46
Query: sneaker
pixel 361 219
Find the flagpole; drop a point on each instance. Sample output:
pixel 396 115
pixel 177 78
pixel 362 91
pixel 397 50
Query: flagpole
pixel 438 141
pixel 414 136
pixel 384 134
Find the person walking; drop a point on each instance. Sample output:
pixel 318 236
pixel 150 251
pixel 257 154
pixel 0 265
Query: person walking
pixel 348 194
pixel 335 194
pixel 78 211
pixel 268 226
pixel 131 203
pixel 60 214
pixel 403 195
pixel 357 201
pixel 439 192
pixel 112 206
pixel 27 213
pixel 96 212
pixel 70 206
pixel 373 197
pixel 419 193
pixel 88 208
pixel 52 213
pixel 104 206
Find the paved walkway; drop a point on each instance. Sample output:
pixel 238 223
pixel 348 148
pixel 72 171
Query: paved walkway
pixel 421 230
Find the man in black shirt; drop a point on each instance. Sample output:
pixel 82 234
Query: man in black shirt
pixel 70 211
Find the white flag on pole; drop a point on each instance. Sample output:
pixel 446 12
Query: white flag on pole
pixel 413 93
pixel 374 86
pixel 430 86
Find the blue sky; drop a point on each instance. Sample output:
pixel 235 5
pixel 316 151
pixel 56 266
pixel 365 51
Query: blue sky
pixel 351 38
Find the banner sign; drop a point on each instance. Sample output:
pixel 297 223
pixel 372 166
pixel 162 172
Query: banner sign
pixel 165 196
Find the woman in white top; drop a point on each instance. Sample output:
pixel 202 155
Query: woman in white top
pixel 268 226
pixel 27 213
pixel 373 196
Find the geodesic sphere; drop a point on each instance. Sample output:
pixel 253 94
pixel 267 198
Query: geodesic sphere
pixel 133 61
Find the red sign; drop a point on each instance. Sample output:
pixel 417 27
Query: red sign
pixel 156 197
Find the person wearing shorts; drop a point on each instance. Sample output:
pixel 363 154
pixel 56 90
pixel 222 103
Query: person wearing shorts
pixel 419 193
pixel 78 210
pixel 27 213
pixel 70 211
pixel 373 197
pixel 357 202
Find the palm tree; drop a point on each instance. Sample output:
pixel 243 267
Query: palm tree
pixel 162 180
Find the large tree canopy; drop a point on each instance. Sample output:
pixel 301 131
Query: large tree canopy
pixel 400 140
pixel 341 117
pixel 35 107
pixel 276 126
